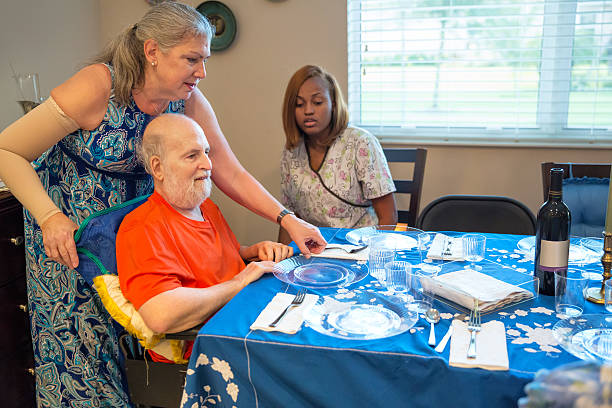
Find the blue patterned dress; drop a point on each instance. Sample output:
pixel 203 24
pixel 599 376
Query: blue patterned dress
pixel 76 347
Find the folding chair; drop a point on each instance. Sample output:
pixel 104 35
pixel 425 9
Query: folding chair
pixel 150 383
pixel 476 213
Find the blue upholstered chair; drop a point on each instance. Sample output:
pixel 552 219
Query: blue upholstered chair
pixel 585 191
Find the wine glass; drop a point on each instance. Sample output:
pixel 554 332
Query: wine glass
pixel 28 95
pixel 473 250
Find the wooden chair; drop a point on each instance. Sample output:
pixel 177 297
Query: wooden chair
pixel 477 213
pixel 408 186
pixel 599 170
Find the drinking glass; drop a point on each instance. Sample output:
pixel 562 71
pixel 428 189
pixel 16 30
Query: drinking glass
pixel 382 251
pixel 420 288
pixel 608 294
pixel 473 250
pixel 396 276
pixel 569 292
pixel 425 239
pixel 28 94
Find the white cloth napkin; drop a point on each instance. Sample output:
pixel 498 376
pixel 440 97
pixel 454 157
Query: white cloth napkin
pixel 293 319
pixel 340 251
pixel 491 348
pixel 446 248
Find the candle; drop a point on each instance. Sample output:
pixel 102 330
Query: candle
pixel 609 212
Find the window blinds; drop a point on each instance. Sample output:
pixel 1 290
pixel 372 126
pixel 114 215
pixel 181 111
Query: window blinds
pixel 481 68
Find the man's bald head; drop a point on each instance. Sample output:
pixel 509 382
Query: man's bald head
pixel 162 132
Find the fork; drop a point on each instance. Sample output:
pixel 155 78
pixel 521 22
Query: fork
pixel 473 327
pixel 297 300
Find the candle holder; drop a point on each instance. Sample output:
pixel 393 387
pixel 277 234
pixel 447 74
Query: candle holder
pixel 597 295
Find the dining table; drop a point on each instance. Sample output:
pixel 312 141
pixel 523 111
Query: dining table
pixel 234 366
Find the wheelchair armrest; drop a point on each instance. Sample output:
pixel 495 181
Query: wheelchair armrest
pixel 189 334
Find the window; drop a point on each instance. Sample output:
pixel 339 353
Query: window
pixel 483 71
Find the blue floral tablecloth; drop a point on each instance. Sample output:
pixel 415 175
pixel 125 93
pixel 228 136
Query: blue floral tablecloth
pixel 232 366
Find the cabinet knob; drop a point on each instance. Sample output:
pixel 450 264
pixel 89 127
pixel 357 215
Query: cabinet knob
pixel 23 308
pixel 31 372
pixel 17 241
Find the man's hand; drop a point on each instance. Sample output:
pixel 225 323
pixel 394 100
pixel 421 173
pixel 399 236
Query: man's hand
pixel 58 239
pixel 307 237
pixel 254 271
pixel 266 251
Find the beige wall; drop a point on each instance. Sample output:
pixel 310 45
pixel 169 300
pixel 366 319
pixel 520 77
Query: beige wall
pixel 245 85
pixel 51 38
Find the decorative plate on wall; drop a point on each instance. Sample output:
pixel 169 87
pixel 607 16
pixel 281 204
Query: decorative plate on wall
pixel 222 19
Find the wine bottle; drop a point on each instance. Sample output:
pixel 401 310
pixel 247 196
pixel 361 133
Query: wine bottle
pixel 552 236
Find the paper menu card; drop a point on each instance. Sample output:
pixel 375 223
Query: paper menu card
pixel 446 248
pixel 465 285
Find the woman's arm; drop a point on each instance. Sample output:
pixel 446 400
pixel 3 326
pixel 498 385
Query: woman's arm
pixel 385 209
pixel 231 178
pixel 72 105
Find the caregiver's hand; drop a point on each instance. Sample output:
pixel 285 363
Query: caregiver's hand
pixel 58 239
pixel 307 237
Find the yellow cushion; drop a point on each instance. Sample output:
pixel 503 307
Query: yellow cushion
pixel 124 312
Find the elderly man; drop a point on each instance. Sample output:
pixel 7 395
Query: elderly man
pixel 177 259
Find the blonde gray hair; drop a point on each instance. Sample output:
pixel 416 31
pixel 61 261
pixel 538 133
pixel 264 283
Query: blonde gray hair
pixel 168 23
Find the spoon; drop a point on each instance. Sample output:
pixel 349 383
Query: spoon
pixel 432 316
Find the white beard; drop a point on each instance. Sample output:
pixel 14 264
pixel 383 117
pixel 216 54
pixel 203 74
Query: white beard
pixel 187 198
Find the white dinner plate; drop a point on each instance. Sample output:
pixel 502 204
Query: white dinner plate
pixel 361 236
pixel 319 273
pixel 578 254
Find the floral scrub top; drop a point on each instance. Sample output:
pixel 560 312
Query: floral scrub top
pixel 354 168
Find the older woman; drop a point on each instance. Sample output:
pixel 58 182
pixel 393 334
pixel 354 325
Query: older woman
pixel 82 143
pixel 332 174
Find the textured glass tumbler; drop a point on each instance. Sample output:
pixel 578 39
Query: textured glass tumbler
pixel 381 253
pixel 473 250
pixel 396 276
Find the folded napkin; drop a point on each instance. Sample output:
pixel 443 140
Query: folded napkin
pixel 446 248
pixel 491 349
pixel 466 285
pixel 341 251
pixel 293 319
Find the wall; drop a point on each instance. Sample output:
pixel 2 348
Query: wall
pixel 52 38
pixel 245 85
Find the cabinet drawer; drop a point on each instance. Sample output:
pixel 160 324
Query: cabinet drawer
pixel 14 320
pixel 17 378
pixel 12 250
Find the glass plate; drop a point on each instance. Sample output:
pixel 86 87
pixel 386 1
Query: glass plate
pixel 573 333
pixel 598 342
pixel 578 254
pixel 367 316
pixel 319 273
pixel 360 236
pixel 594 244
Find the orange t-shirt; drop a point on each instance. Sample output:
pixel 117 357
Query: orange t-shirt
pixel 159 249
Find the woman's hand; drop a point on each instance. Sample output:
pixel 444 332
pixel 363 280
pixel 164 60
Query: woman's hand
pixel 307 237
pixel 267 251
pixel 58 239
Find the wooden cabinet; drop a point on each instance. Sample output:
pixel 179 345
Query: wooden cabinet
pixel 16 357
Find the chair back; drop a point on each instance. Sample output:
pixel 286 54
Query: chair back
pixel 477 213
pixel 573 170
pixel 585 192
pixel 405 184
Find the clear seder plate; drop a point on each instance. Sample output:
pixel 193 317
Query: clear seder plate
pixel 319 273
pixel 361 236
pixel 582 336
pixel 366 316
